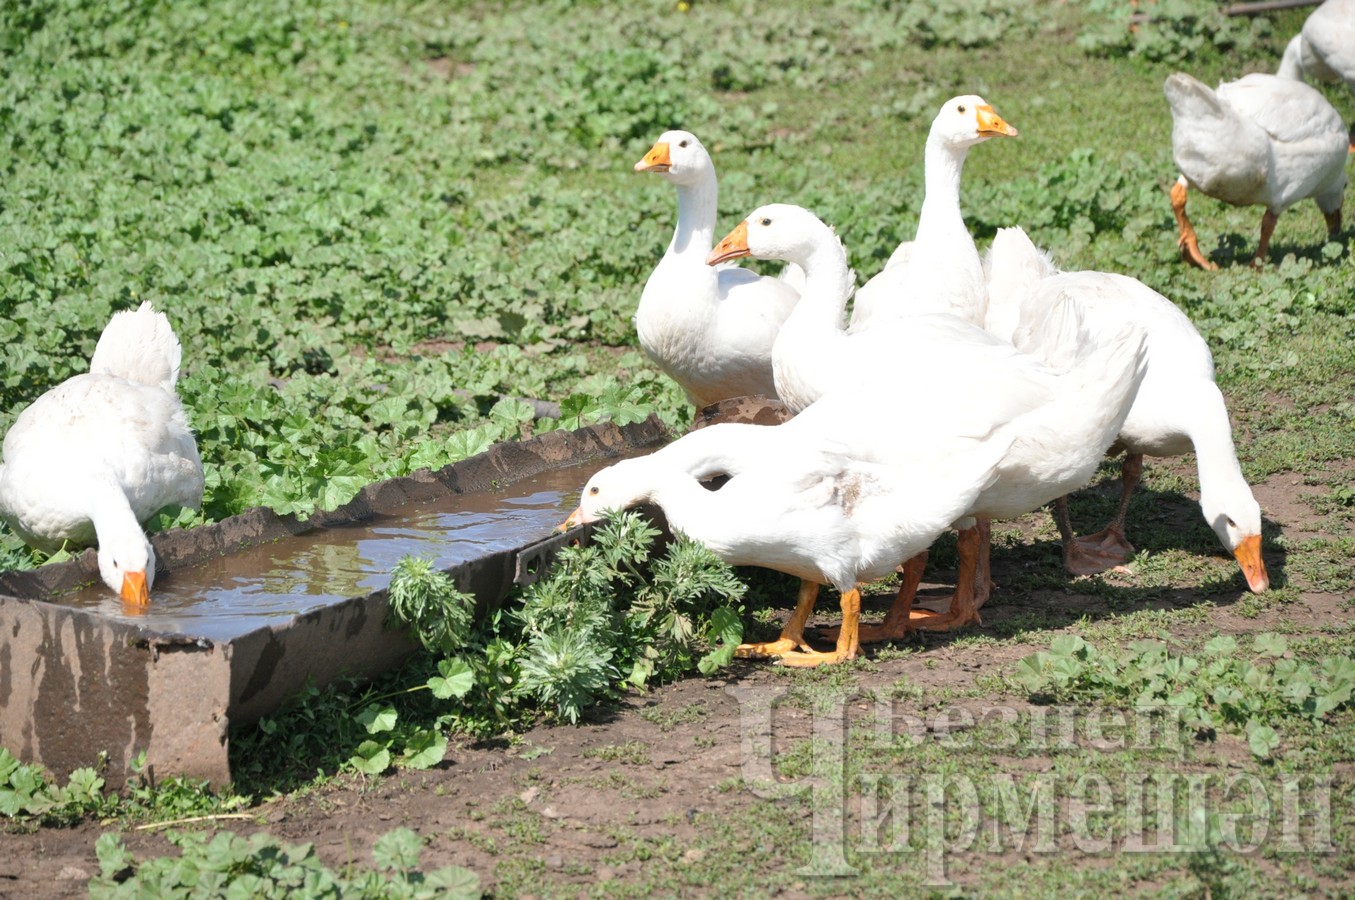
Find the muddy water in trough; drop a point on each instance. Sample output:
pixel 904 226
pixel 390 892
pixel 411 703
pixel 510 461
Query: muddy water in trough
pixel 269 583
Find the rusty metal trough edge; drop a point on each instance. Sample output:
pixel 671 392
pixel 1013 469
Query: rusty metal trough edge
pixel 66 673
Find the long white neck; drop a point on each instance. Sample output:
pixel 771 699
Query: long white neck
pixel 698 204
pixel 1291 63
pixel 1222 485
pixel 726 448
pixel 955 285
pixel 828 284
pixel 806 358
pixel 111 513
pixel 940 215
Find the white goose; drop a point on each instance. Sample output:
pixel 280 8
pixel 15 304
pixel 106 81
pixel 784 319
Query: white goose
pixel 805 506
pixel 100 453
pixel 1067 421
pixel 1324 50
pixel 1262 140
pixel 1178 407
pixel 948 275
pixel 711 331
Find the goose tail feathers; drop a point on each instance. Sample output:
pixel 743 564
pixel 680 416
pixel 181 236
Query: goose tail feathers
pixel 139 345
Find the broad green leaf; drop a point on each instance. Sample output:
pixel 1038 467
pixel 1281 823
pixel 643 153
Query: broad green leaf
pixel 424 749
pixel 455 678
pixel 377 719
pixel 371 758
pixel 1222 645
pixel 1262 739
pixel 398 850
pixel 1270 644
pixel 1067 645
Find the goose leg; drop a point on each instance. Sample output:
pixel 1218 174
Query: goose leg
pixel 1189 244
pixel 848 638
pixel 793 634
pixel 983 579
pixel 895 624
pixel 1109 547
pixel 1334 217
pixel 963 609
pixel 1268 220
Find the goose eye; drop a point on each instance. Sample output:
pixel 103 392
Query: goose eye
pixel 593 490
pixel 961 107
pixel 765 221
pixel 682 143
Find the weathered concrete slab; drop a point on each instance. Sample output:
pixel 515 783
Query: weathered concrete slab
pixel 76 682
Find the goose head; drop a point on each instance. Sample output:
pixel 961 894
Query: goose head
pixel 679 157
pixel 968 120
pixel 775 231
pixel 1237 522
pixel 127 566
pixel 617 487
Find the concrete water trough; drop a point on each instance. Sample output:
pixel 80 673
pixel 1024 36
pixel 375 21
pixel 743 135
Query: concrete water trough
pixel 246 611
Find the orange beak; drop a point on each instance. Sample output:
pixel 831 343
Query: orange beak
pixel 575 518
pixel 134 591
pixel 991 124
pixel 656 160
pixel 1248 554
pixel 734 245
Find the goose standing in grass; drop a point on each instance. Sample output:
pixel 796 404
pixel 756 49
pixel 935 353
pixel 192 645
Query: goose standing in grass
pixel 99 454
pixel 1178 407
pixel 1324 50
pixel 940 269
pixel 709 330
pixel 1068 420
pixel 800 501
pixel 1262 140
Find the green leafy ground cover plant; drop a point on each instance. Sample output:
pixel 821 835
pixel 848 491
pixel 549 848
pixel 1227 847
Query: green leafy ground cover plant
pixel 1219 689
pixel 367 236
pixel 260 866
pixel 28 794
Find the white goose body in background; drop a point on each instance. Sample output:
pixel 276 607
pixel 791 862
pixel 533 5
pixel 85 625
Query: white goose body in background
pixel 1324 50
pixel 100 453
pixel 1067 422
pixel 801 503
pixel 940 269
pixel 709 330
pixel 1178 407
pixel 1262 140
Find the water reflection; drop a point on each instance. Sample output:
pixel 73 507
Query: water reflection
pixel 233 595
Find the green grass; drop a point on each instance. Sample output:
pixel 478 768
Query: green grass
pixel 371 222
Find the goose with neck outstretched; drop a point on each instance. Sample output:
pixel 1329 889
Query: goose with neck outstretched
pixel 709 330
pixel 800 500
pixel 98 455
pixel 1177 409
